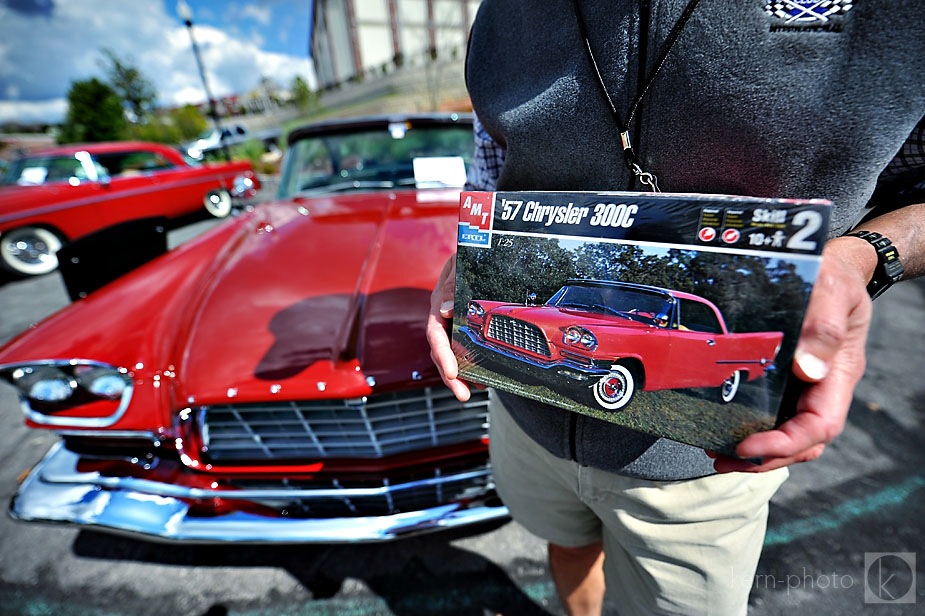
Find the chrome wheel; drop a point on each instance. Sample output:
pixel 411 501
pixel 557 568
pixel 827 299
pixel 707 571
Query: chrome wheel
pixel 218 203
pixel 30 251
pixel 615 390
pixel 730 387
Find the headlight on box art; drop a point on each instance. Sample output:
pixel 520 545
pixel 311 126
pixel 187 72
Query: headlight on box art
pixel 579 336
pixel 588 340
pixel 75 393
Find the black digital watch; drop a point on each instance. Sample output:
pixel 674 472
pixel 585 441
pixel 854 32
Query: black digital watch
pixel 889 269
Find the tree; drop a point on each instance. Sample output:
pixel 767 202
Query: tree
pixel 508 273
pixel 303 97
pixel 94 113
pixel 605 261
pixel 189 122
pixel 136 92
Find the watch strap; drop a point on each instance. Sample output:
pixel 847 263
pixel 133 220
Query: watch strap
pixel 889 268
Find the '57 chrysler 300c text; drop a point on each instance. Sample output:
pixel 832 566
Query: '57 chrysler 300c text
pixel 615 338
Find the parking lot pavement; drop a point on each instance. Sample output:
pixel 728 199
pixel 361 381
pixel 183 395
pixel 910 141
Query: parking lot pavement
pixel 846 532
pixel 844 537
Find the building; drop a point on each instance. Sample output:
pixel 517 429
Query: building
pixel 360 40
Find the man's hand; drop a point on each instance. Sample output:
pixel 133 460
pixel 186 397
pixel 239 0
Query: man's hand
pixel 830 358
pixel 441 309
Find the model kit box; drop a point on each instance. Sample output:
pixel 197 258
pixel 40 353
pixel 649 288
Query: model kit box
pixel 672 314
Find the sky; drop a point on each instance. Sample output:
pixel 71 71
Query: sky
pixel 46 45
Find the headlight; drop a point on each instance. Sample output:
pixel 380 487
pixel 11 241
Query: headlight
pixel 43 383
pixel 475 310
pixel 71 393
pixel 579 336
pixel 243 186
pixel 103 381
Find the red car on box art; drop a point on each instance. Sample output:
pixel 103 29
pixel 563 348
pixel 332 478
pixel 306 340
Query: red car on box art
pixel 614 338
pixel 53 196
pixel 269 381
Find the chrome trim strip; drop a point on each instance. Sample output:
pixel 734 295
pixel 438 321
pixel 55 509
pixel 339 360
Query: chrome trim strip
pixel 760 362
pixel 114 434
pixel 56 492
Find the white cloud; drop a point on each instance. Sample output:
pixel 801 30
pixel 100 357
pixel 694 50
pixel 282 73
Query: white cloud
pixel 28 112
pixel 260 14
pixel 42 56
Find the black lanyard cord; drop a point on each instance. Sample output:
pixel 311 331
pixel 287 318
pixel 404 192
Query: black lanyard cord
pixel 629 154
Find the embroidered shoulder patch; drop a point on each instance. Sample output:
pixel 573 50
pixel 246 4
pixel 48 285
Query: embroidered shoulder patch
pixel 812 15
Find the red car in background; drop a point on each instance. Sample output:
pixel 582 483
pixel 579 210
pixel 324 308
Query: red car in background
pixel 56 195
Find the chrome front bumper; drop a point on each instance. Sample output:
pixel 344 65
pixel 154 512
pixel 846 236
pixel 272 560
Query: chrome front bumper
pixel 55 491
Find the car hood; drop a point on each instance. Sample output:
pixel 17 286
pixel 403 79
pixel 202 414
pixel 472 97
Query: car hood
pixel 324 297
pixel 320 295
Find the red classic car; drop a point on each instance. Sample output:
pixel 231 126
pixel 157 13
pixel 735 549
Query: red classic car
pixel 615 338
pixel 270 381
pixel 57 195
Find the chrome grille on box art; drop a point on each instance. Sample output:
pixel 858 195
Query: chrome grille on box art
pixel 518 334
pixel 370 427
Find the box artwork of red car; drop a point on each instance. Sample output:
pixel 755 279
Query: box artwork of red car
pixel 600 341
pixel 675 315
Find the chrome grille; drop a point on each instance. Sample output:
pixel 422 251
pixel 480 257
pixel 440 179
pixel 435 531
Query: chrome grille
pixel 370 427
pixel 383 496
pixel 518 334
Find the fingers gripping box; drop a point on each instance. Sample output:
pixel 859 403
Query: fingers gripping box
pixel 673 314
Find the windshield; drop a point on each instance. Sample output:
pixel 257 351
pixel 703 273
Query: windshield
pixel 632 304
pixel 383 158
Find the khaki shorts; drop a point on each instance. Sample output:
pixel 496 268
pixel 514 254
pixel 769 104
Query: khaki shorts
pixel 673 547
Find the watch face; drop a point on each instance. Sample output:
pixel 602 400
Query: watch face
pixel 891 259
pixel 889 267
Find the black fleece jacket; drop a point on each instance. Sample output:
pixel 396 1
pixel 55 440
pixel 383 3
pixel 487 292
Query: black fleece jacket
pixel 752 100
